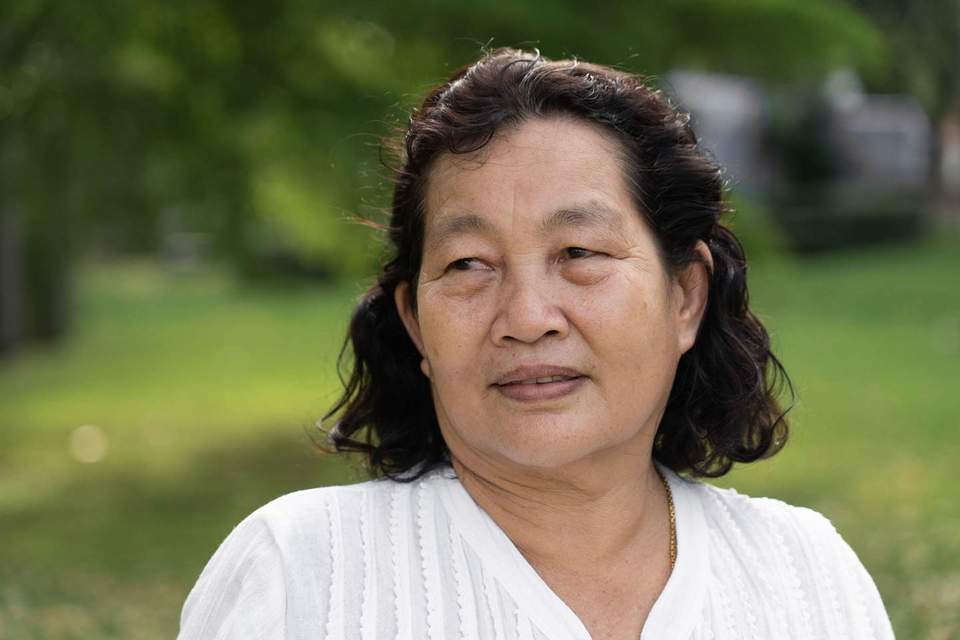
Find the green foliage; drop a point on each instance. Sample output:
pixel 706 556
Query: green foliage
pixel 923 38
pixel 258 122
pixel 773 40
pixel 751 221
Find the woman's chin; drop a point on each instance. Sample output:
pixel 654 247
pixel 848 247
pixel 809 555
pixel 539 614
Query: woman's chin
pixel 543 441
pixel 552 451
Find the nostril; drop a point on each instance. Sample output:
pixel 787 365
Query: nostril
pixel 528 314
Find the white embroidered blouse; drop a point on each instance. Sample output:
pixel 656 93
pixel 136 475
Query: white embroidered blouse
pixel 383 560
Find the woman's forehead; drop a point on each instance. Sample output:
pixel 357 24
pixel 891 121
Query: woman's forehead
pixel 543 172
pixel 567 144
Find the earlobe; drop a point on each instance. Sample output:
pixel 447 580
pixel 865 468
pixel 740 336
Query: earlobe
pixel 695 285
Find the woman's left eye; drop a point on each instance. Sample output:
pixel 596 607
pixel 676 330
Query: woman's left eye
pixel 578 252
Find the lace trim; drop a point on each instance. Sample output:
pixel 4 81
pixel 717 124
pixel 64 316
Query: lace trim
pixel 335 622
pixel 466 605
pixel 826 584
pixel 726 607
pixel 754 560
pixel 524 632
pixel 493 603
pixel 429 565
pixel 399 538
pixel 743 544
pixel 794 585
pixel 368 617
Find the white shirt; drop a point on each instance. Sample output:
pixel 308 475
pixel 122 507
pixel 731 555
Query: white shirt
pixel 421 560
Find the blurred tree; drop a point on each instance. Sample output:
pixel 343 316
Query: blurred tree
pixel 924 40
pixel 257 122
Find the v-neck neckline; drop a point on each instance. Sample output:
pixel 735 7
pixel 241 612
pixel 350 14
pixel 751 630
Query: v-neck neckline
pixel 675 612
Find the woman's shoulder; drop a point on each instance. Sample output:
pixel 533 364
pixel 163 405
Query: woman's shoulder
pixel 727 508
pixel 265 561
pixel 297 503
pixel 791 553
pixel 309 516
pixel 293 554
pixel 313 509
pixel 753 525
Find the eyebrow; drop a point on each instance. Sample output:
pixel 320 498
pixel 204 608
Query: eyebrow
pixel 450 226
pixel 589 214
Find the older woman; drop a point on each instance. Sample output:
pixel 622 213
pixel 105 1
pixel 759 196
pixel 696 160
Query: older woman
pixel 561 332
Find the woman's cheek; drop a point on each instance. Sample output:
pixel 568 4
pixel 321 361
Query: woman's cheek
pixel 467 287
pixel 457 302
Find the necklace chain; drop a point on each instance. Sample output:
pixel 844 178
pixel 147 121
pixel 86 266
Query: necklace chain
pixel 673 519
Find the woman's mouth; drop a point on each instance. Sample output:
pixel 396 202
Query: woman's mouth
pixel 537 389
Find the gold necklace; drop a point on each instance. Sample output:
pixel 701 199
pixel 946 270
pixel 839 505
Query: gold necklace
pixel 673 519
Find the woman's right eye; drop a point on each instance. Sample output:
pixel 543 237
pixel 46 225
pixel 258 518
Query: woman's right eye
pixel 463 264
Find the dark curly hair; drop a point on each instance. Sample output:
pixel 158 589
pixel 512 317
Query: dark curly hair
pixel 723 405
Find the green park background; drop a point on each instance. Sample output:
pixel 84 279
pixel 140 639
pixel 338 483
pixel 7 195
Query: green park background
pixel 183 180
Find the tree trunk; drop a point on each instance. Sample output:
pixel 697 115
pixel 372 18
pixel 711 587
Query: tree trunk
pixel 11 282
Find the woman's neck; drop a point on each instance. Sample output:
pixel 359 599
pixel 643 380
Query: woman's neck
pixel 578 518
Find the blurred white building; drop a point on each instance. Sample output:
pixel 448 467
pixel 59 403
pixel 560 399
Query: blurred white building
pixel 729 115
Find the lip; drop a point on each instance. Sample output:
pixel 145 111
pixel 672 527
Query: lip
pixel 539 392
pixel 530 372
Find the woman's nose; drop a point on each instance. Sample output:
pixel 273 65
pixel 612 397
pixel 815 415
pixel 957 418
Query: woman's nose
pixel 529 309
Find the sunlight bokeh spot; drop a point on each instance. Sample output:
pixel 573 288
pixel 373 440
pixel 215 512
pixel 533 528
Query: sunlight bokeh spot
pixel 88 444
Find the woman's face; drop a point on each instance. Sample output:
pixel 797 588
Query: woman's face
pixel 549 328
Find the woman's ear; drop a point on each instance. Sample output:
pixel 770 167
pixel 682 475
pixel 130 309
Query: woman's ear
pixel 401 298
pixel 693 285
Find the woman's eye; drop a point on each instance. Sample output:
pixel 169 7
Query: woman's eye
pixel 578 252
pixel 463 264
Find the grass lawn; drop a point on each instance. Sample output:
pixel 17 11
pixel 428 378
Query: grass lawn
pixel 203 394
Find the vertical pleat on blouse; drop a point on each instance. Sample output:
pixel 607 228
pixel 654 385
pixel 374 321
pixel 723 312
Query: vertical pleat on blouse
pixel 466 600
pixel 370 603
pixel 400 556
pixel 335 622
pixel 430 562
